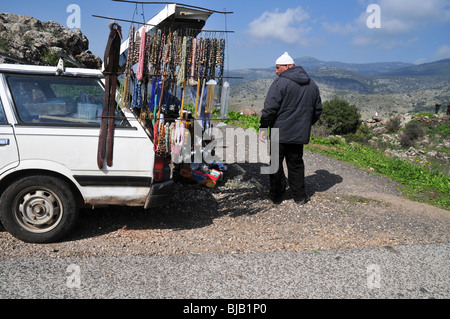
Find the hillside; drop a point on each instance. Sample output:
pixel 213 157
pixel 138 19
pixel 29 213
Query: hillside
pixel 361 68
pixel 439 68
pixel 390 88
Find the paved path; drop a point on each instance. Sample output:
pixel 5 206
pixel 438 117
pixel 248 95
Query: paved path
pixel 420 271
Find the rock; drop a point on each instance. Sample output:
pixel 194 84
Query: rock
pixel 412 152
pixel 405 119
pixel 89 60
pixel 376 119
pixel 43 43
pixel 379 131
pixel 390 139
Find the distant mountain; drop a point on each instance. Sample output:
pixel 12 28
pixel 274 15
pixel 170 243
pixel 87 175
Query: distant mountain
pixel 309 63
pixel 438 68
pixel 387 87
pixel 342 79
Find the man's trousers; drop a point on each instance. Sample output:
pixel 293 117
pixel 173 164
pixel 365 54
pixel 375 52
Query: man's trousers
pixel 293 153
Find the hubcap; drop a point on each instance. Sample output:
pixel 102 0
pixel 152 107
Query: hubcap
pixel 38 210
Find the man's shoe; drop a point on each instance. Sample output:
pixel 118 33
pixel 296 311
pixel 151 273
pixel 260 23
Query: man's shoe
pixel 302 202
pixel 276 201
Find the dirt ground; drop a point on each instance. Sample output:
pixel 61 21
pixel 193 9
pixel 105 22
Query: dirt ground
pixel 349 208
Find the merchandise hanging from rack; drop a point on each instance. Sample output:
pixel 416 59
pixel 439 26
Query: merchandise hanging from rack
pixel 172 67
pixel 172 71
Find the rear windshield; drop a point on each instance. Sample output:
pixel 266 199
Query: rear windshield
pixel 59 100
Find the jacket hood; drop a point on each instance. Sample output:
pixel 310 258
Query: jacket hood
pixel 297 74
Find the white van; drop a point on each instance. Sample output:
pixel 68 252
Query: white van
pixel 49 130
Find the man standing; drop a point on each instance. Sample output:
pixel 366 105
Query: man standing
pixel 292 106
pixel 437 107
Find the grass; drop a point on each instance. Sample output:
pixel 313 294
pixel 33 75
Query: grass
pixel 241 120
pixel 419 182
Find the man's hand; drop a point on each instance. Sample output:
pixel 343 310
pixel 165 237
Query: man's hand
pixel 263 136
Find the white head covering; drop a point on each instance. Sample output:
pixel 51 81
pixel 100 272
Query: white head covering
pixel 285 59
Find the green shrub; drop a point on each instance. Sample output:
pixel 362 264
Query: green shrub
pixel 362 135
pixel 413 131
pixel 393 125
pixel 340 115
pixel 321 130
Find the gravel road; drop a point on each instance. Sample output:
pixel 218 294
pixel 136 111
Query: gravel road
pixel 352 214
pixel 349 208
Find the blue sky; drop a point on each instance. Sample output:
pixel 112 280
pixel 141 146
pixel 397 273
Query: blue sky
pixel 414 31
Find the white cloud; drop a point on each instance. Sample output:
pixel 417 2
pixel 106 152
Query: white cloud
pixel 285 26
pixel 400 21
pixel 384 42
pixel 404 16
pixel 443 52
pixel 336 28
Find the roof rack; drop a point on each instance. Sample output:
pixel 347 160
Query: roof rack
pixel 180 4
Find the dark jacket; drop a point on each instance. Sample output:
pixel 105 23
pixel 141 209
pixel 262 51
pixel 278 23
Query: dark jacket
pixel 292 105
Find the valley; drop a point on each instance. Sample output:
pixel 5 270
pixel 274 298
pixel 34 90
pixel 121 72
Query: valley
pixel 389 88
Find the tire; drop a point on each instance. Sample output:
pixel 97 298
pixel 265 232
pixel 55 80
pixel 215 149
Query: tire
pixel 38 209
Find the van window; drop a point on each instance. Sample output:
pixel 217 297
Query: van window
pixel 2 114
pixel 59 100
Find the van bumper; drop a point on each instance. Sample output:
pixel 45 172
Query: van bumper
pixel 160 194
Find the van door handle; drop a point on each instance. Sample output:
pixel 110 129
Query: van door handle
pixel 4 141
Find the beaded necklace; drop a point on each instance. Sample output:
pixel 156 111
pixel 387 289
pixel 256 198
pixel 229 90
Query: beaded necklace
pixel 182 69
pixel 140 69
pixel 170 61
pixel 220 60
pixel 192 81
pixel 128 70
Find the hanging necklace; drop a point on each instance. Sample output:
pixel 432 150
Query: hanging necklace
pixel 192 81
pixel 140 70
pixel 182 69
pixel 128 70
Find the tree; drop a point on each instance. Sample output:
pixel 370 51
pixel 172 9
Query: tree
pixel 340 116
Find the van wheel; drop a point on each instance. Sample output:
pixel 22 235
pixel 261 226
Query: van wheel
pixel 38 209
